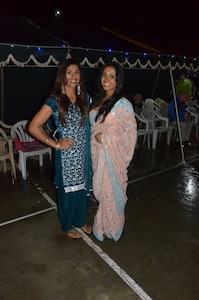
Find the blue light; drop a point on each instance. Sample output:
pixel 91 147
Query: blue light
pixel 109 50
pixel 38 49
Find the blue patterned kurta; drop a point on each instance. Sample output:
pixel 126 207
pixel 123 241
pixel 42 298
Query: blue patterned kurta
pixel 72 167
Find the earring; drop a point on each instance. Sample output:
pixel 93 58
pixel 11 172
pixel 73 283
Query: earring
pixel 78 89
pixel 63 89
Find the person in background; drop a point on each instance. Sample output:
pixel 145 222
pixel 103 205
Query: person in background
pixel 73 171
pixel 184 85
pixel 183 114
pixel 137 103
pixel 196 86
pixel 113 141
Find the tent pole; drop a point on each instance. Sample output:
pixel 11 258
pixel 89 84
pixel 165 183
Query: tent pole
pixel 155 83
pixel 177 116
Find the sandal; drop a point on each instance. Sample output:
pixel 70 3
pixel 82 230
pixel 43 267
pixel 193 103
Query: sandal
pixel 74 234
pixel 86 229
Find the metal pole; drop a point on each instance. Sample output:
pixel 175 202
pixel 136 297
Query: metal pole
pixel 155 83
pixel 177 116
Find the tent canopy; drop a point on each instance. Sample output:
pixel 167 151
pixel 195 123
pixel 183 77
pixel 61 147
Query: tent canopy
pixel 30 53
pixel 45 43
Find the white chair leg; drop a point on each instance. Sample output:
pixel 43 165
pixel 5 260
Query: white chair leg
pixel 19 163
pixel 40 160
pixel 23 165
pixel 148 141
pixel 12 162
pixel 154 139
pixel 144 139
pixel 50 154
pixel 171 129
pixel 4 166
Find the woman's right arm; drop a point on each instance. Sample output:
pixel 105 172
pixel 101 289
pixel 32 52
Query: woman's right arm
pixel 35 127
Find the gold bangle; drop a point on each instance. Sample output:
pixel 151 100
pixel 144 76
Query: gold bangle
pixel 57 146
pixel 47 140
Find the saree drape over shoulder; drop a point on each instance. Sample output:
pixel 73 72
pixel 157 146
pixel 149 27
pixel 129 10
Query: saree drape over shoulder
pixel 110 160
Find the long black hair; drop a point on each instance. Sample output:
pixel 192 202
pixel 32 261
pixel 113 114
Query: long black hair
pixel 100 94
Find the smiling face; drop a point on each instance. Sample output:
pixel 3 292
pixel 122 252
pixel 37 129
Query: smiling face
pixel 108 80
pixel 72 76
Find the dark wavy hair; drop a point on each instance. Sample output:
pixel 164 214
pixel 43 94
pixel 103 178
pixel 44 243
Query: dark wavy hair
pixel 100 94
pixel 63 100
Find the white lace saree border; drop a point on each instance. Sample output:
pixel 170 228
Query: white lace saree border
pixel 74 188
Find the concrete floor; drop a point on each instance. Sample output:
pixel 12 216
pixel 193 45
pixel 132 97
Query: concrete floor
pixel 156 258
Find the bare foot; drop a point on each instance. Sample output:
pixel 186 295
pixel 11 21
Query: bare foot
pixel 86 229
pixel 73 234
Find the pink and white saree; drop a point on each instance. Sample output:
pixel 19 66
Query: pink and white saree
pixel 110 160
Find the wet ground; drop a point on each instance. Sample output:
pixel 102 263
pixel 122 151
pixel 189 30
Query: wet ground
pixel 156 258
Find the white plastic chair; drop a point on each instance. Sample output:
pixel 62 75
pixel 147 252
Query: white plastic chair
pixel 150 104
pixel 6 152
pixel 29 147
pixel 143 129
pixel 157 125
pixel 5 127
pixel 163 107
pixel 192 109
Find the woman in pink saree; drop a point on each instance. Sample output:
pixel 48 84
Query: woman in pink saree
pixel 113 140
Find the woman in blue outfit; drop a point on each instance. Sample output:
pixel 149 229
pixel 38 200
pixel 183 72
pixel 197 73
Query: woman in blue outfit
pixel 68 105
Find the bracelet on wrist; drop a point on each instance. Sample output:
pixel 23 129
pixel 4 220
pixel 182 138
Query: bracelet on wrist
pixel 57 146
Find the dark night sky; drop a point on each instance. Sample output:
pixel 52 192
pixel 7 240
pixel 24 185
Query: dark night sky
pixel 161 18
